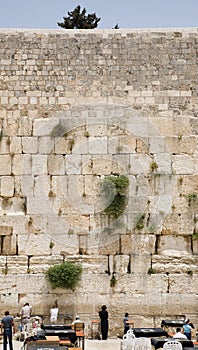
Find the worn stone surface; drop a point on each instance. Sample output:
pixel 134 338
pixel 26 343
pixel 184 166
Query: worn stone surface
pixel 76 107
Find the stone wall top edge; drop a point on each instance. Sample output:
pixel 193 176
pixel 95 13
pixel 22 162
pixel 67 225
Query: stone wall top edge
pixel 98 31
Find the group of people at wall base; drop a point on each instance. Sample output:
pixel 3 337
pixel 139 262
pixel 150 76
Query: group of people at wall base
pixel 185 332
pixel 8 327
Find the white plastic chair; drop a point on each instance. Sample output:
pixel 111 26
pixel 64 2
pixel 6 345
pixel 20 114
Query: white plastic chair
pixel 128 342
pixel 172 344
pixel 143 344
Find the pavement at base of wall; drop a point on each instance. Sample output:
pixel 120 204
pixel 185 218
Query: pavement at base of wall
pixel 109 344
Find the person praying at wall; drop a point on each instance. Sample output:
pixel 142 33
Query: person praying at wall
pixel 104 322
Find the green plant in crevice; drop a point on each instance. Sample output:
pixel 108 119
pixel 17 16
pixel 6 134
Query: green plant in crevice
pixel 65 275
pixel 51 245
pixel 195 235
pixel 151 271
pixel 153 166
pixel 140 221
pixel 113 281
pixel 114 190
pixel 192 198
pixel 71 143
pixel 189 272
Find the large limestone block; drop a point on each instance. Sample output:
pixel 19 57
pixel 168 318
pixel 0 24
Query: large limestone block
pixel 39 164
pixel 38 205
pixel 73 164
pixel 56 165
pixel 101 165
pixel 45 127
pixel 181 144
pixel 120 164
pixel 5 145
pixel 15 145
pixel 17 265
pixel 39 264
pixel 138 265
pixel 34 244
pixel 41 186
pixel 25 126
pixel 46 145
pixel 183 164
pixel 161 127
pixel 163 161
pixel 157 145
pixel 30 284
pixel 175 264
pixel 5 165
pixel 96 127
pixel 87 164
pixel 29 145
pixel 140 163
pixel 108 243
pixel 98 145
pixel 59 185
pixel 11 126
pixel 119 263
pixel 7 186
pixel 92 185
pixel 22 164
pixel 174 245
pixel 24 185
pixel 80 145
pixel 143 244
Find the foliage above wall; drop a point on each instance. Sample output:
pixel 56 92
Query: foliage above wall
pixel 65 275
pixel 114 190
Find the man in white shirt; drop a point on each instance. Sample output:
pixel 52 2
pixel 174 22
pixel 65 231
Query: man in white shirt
pixel 77 320
pixel 54 314
pixel 25 315
pixel 179 334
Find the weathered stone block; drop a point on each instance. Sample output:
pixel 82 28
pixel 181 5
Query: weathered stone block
pixel 5 165
pixel 29 145
pixel 21 164
pixel 7 186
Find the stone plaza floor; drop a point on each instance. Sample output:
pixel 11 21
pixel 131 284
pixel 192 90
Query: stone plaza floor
pixel 109 344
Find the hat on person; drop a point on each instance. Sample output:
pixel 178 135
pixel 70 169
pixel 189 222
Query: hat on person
pixel 77 316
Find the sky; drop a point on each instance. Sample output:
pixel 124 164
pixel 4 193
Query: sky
pixel 44 14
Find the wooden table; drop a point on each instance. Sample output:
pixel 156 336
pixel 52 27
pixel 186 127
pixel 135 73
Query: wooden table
pixel 93 323
pixel 130 323
pixel 81 338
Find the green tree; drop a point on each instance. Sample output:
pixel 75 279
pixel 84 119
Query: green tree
pixel 78 19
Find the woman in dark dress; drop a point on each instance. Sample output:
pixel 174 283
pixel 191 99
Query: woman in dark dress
pixel 104 322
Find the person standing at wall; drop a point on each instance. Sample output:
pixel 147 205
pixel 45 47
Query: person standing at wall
pixel 54 314
pixel 187 329
pixel 7 326
pixel 125 319
pixel 104 323
pixel 25 316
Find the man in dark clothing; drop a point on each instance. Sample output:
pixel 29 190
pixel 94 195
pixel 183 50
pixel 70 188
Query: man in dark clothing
pixel 104 322
pixel 7 323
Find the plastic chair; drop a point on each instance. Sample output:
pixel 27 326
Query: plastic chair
pixel 172 344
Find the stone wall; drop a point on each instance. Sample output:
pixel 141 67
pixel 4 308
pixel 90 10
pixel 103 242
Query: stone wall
pixel 76 107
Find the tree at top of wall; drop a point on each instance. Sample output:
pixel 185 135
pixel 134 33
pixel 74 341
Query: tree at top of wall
pixel 78 19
